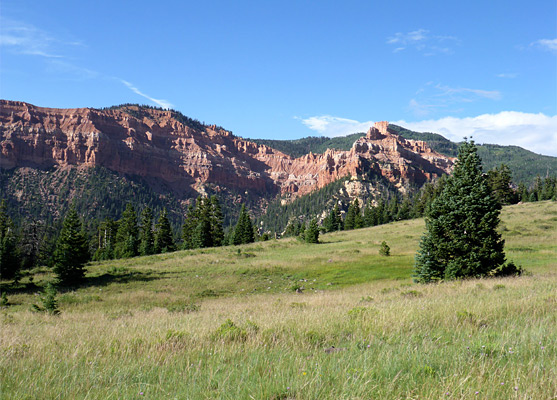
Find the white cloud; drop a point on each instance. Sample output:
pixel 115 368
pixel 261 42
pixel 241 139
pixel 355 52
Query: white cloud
pixel 330 126
pixel 162 103
pixel 546 44
pixel 408 38
pixel 535 132
pixel 422 41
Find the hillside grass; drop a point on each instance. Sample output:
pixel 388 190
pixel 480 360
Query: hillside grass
pixel 157 327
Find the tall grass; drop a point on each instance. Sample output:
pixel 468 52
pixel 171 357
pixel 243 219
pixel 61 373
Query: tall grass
pixel 157 327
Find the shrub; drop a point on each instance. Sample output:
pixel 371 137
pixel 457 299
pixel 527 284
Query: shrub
pixel 230 332
pixel 4 300
pixel 48 300
pixel 385 250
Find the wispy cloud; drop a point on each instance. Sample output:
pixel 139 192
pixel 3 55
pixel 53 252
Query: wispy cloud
pixel 29 40
pixel 535 132
pixel 507 75
pixel 162 103
pixel 21 38
pixel 546 44
pixel 423 41
pixel 434 97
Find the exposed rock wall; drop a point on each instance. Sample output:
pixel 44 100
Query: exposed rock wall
pixel 155 144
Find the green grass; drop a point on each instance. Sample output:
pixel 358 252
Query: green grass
pixel 159 325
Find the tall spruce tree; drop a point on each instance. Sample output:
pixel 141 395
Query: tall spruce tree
pixel 164 241
pixel 190 223
pixel 349 219
pixel 202 236
pixel 127 237
pixel 10 261
pixel 72 251
pixel 243 232
pixel 311 234
pixel 461 238
pixel 146 235
pixel 500 180
pixel 217 231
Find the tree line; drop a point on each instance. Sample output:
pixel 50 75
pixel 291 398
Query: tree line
pixel 130 236
pixel 134 235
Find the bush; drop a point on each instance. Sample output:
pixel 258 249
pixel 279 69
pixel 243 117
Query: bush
pixel 385 250
pixel 48 300
pixel 230 332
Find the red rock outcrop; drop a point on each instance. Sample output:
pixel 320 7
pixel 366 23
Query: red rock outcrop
pixel 156 144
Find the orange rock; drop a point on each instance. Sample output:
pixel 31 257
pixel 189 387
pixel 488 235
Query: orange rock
pixel 157 145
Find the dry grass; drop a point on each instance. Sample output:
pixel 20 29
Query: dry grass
pixel 393 339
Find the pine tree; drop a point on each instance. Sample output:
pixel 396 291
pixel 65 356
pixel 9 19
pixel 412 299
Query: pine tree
pixel 127 237
pixel 10 261
pixel 243 232
pixel 72 251
pixel 311 234
pixel 370 216
pixel 350 219
pixel 500 180
pixel 358 219
pixel 106 234
pixel 164 242
pixel 461 238
pixel 146 235
pixel 217 231
pixel 202 233
pixel 190 223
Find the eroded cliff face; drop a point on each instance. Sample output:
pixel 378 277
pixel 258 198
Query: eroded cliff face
pixel 156 144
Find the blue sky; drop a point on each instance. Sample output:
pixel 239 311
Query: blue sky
pixel 289 69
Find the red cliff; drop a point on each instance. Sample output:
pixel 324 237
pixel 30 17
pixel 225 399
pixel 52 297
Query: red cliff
pixel 163 145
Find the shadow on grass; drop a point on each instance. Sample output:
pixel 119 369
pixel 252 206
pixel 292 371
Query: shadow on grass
pixel 10 287
pixel 117 275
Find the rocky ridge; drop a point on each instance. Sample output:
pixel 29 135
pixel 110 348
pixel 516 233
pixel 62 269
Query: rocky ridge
pixel 159 145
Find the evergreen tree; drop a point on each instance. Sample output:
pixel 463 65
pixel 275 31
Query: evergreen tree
pixel 350 219
pixel 461 238
pixel 190 223
pixel 500 180
pixel 10 261
pixel 146 235
pixel 311 234
pixel 523 192
pixel 202 233
pixel 30 243
pixel 333 220
pixel 72 251
pixel 358 219
pixel 164 242
pixel 217 231
pixel 127 237
pixel 243 232
pixel 106 234
pixel 370 216
pixel 404 211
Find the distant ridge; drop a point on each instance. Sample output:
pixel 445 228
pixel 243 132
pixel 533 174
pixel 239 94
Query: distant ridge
pixel 524 164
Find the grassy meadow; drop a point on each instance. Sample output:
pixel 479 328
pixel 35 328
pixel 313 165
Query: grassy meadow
pixel 228 323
